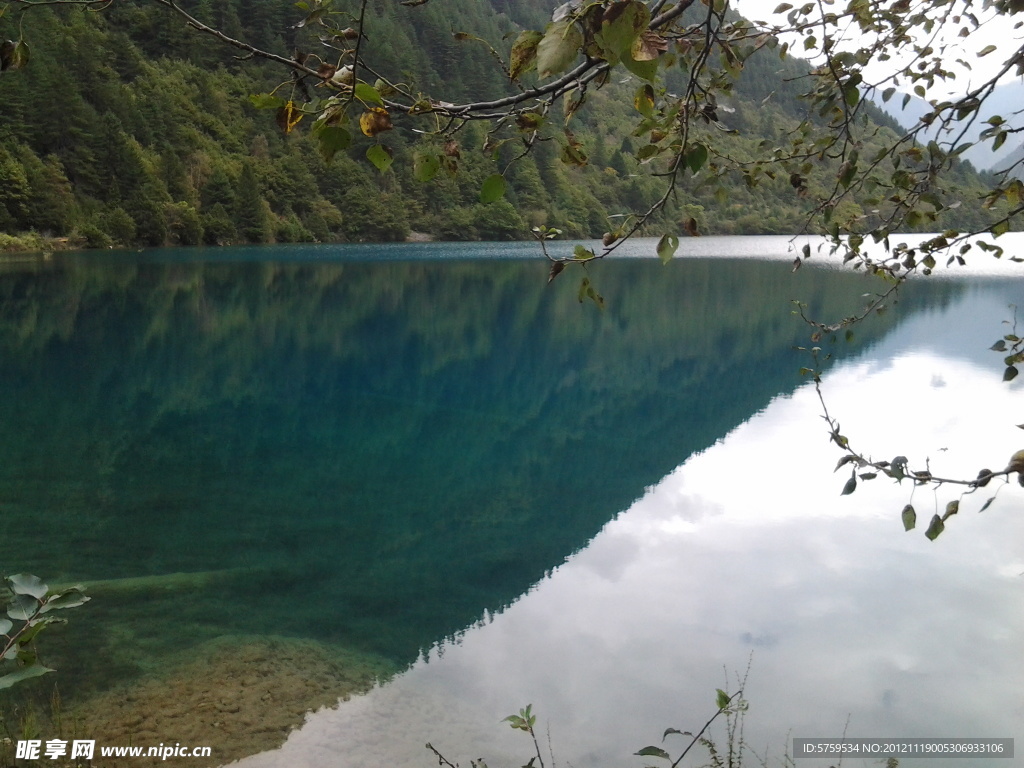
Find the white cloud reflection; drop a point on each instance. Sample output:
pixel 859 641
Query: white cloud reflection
pixel 748 547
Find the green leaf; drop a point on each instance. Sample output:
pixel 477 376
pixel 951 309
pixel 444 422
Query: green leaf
pixel 844 459
pixel 622 24
pixel 721 698
pixel 25 673
pixel 898 467
pixel 647 151
pixel 987 504
pixel 517 722
pixel 493 188
pixel 559 47
pixel 667 248
pixel 584 285
pixel 646 70
pixel 22 607
pixel 909 518
pixel 851 94
pixel 69 598
pixel 425 165
pixel 587 292
pixel 22 54
pixel 951 509
pixel 851 485
pixel 332 139
pixel 674 730
pixel 26 584
pixel 380 156
pixel 846 173
pixel 696 157
pixel 524 53
pixel 986 50
pixel 935 528
pixel 266 101
pixel 25 655
pixel 644 101
pixel 653 752
pixel 18 56
pixel 572 153
pixel 579 252
pixel 367 93
pixel 5 626
pixel 999 346
pixel 1010 373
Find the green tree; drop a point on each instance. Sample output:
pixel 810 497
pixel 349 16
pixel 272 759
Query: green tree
pixel 250 209
pixel 15 193
pixel 52 207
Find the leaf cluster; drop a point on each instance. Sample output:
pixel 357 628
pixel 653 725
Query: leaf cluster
pixel 28 609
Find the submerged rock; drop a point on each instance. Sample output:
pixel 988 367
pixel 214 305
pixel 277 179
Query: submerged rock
pixel 238 695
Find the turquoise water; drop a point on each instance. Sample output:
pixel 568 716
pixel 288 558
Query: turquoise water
pixel 376 453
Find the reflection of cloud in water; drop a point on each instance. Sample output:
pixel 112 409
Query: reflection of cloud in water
pixel 677 513
pixel 611 556
pixel 743 546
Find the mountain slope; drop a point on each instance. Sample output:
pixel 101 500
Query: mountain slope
pixel 128 128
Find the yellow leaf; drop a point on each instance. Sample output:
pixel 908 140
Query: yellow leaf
pixel 289 116
pixel 375 120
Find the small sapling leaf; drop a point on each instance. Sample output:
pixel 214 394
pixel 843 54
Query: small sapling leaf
pixel 26 584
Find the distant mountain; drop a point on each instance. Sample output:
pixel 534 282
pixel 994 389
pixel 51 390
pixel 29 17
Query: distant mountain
pixel 1006 100
pixel 1014 162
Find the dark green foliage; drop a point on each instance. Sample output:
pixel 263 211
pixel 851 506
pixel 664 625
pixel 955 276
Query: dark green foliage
pixel 185 227
pixel 153 122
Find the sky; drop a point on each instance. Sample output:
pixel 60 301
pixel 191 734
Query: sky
pixel 998 31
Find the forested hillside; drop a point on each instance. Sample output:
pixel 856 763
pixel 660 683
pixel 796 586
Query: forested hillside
pixel 126 127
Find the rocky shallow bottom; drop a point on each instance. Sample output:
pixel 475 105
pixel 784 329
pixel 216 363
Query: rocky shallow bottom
pixel 237 695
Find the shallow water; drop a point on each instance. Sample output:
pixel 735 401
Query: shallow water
pixel 437 459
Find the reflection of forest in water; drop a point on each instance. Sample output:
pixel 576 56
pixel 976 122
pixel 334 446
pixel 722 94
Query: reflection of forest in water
pixel 374 453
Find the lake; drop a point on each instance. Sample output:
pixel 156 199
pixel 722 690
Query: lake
pixel 419 480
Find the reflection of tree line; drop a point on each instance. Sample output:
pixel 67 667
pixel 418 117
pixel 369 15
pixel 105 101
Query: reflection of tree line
pixel 397 446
